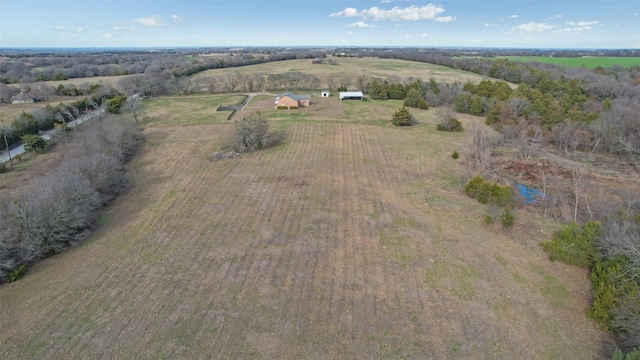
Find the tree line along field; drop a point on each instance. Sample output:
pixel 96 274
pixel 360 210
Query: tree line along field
pixel 349 239
pixel 585 61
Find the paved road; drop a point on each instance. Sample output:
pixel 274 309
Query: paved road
pixel 19 149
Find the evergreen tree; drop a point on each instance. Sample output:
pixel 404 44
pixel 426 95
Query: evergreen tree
pixel 377 91
pixel 413 98
pixel 402 117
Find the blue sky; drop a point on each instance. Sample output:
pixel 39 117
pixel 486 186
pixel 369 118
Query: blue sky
pixel 169 23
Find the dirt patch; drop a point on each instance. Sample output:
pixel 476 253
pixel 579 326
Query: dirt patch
pixel 325 107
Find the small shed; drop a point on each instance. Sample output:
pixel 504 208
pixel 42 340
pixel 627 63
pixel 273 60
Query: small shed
pixel 325 93
pixel 351 95
pixel 23 98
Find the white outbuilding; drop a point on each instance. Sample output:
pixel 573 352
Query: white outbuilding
pixel 351 95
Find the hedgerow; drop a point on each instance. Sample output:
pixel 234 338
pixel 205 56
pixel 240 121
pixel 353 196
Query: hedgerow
pixel 612 251
pixel 58 209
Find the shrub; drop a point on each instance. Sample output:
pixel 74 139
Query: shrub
pixel 423 105
pixel 610 289
pixel 473 186
pixel 619 355
pixel 293 107
pixel 455 155
pixel 489 192
pixel 450 124
pixel 282 107
pixel 250 133
pixel 32 142
pixel 488 219
pixel 402 117
pixel 448 121
pixel 17 274
pixel 115 104
pixel 574 245
pixel 507 218
pixel 3 168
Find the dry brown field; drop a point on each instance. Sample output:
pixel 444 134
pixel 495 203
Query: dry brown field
pixel 349 239
pixel 351 68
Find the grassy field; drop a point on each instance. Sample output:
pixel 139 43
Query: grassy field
pixel 588 61
pixel 350 239
pixel 351 68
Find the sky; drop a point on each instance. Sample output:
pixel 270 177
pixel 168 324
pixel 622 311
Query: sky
pixel 565 24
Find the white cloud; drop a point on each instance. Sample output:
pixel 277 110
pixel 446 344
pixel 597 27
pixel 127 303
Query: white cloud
pixel 534 27
pixel 487 25
pixel 514 16
pixel 123 28
pixel 411 13
pixel 445 19
pixel 577 27
pixel 423 34
pixel 407 36
pixel 581 23
pixel 348 12
pixel 152 21
pixel 360 24
pixel 574 29
pixel 175 18
pixel 67 29
pixel 349 32
pixel 386 2
pixel 107 35
pixel 557 17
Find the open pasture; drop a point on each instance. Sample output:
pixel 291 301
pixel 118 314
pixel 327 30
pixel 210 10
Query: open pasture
pixel 351 68
pixel 586 61
pixel 350 239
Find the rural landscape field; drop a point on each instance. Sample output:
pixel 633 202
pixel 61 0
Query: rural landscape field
pixel 350 238
pixel 364 179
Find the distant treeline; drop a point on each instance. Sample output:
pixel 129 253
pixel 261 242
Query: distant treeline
pixel 29 68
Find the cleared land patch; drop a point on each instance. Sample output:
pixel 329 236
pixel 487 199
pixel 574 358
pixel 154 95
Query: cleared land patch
pixel 348 240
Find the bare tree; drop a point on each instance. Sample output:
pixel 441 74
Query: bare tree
pixel 134 107
pixel 528 138
pixel 483 144
pixel 230 82
pixel 621 237
pixel 362 82
pixel 331 83
pixel 345 82
pixel 211 83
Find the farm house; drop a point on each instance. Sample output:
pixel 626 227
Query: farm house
pixel 290 100
pixel 351 95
